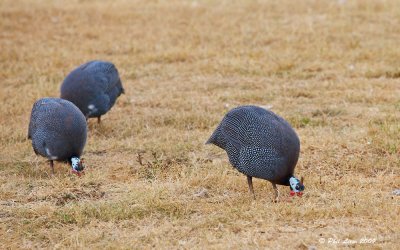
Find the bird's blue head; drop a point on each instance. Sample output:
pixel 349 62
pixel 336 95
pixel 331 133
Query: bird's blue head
pixel 77 166
pixel 296 186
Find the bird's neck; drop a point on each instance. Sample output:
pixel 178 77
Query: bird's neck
pixel 285 181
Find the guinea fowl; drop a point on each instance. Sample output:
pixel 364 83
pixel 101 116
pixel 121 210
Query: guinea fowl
pixel 260 144
pixel 93 87
pixel 58 131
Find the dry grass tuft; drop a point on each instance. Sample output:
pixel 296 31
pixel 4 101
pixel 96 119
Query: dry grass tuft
pixel 331 68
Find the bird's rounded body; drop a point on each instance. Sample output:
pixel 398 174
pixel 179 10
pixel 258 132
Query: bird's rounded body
pixel 259 143
pixel 93 87
pixel 58 129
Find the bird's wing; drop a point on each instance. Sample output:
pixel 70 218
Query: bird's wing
pixel 105 74
pixel 255 128
pixel 110 76
pixel 261 162
pixel 234 130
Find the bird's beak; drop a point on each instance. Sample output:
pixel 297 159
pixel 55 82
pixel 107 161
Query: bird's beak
pixel 79 174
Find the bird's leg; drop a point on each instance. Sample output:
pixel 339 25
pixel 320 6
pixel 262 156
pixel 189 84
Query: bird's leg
pixel 98 119
pixel 52 166
pixel 250 182
pixel 276 192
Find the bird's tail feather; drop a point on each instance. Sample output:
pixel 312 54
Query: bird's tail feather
pixel 217 138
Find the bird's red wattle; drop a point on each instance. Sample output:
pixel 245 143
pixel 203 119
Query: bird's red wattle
pixel 77 172
pixel 293 193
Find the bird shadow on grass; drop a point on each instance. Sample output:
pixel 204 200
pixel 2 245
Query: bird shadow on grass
pixel 71 195
pixel 36 169
pixel 105 129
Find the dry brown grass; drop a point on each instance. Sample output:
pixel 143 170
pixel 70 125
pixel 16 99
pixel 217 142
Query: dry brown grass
pixel 331 69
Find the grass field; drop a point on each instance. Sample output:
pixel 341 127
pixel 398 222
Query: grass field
pixel 331 68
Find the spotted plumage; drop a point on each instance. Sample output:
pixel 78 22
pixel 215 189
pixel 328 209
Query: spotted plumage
pixel 58 131
pixel 93 87
pixel 259 144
